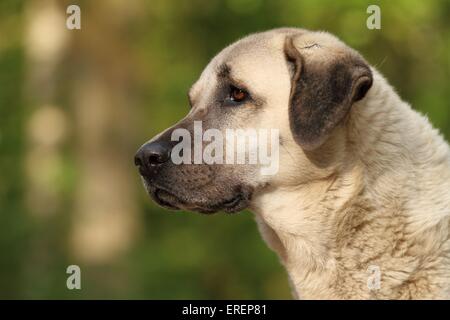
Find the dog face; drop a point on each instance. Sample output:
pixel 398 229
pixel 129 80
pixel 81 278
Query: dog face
pixel 298 82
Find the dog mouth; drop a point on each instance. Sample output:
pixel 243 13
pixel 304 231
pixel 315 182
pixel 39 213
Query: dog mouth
pixel 169 200
pixel 166 199
pixel 233 204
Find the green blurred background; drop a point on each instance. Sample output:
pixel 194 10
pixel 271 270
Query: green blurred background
pixel 75 105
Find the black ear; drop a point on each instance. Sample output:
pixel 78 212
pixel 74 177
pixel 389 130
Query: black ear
pixel 323 93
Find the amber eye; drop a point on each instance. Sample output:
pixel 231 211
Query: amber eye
pixel 237 95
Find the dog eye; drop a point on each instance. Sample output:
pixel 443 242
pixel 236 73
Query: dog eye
pixel 237 95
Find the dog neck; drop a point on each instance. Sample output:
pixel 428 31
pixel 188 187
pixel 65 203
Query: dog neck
pixel 300 224
pixel 329 232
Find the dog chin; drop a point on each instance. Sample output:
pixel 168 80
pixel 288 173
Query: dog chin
pixel 238 202
pixel 166 199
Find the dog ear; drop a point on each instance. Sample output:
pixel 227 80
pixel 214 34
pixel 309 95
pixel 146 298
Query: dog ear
pixel 322 94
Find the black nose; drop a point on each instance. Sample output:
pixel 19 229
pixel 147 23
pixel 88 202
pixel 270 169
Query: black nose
pixel 152 154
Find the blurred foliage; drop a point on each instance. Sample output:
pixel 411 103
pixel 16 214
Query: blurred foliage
pixel 186 255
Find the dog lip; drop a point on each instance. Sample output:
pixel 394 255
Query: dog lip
pixel 233 202
pixel 167 199
pixel 237 203
pixel 162 197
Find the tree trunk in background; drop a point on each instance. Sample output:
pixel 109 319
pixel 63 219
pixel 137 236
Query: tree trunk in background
pixel 93 67
pixel 45 44
pixel 105 218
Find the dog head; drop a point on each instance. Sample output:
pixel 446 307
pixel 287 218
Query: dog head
pixel 300 83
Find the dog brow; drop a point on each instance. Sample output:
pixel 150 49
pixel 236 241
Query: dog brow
pixel 224 71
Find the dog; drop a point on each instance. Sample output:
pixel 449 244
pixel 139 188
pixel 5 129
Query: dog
pixel 360 205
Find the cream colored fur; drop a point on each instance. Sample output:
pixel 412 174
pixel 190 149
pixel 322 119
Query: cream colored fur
pixel 376 194
pixel 385 204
